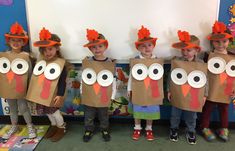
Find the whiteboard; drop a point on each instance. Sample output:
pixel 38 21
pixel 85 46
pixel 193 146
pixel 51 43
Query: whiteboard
pixel 119 21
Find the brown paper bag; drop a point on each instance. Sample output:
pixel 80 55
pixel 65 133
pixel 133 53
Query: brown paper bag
pixel 185 96
pixel 93 94
pixel 14 86
pixel 44 92
pixel 147 91
pixel 220 83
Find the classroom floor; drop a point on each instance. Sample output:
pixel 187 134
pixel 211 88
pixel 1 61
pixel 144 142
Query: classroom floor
pixel 121 141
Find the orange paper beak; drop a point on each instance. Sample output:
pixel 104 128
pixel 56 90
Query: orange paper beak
pixel 147 82
pixel 96 88
pixel 223 76
pixel 41 79
pixel 10 76
pixel 185 89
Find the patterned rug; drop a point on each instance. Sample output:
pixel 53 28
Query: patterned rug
pixel 19 141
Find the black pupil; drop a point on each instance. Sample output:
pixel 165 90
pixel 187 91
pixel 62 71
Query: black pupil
pixel 19 66
pixel 39 68
pixel 52 71
pixel 179 75
pixel 104 77
pixel 4 65
pixel 139 71
pixel 232 68
pixel 216 65
pixel 196 79
pixel 89 76
pixel 155 71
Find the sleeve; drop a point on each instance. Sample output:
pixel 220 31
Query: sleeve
pixel 129 83
pixel 114 88
pixel 206 89
pixel 81 87
pixel 62 83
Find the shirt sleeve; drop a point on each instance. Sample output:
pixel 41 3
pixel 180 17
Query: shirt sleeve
pixel 129 83
pixel 62 83
pixel 114 88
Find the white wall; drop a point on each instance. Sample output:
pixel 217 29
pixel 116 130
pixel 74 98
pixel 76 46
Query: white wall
pixel 119 21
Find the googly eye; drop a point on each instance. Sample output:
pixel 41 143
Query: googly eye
pixel 179 76
pixel 216 65
pixel 5 65
pixel 197 79
pixel 89 76
pixel 105 78
pixel 39 67
pixel 230 68
pixel 19 66
pixel 155 71
pixel 139 71
pixel 52 71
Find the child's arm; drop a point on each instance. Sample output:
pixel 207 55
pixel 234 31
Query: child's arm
pixel 129 86
pixel 114 88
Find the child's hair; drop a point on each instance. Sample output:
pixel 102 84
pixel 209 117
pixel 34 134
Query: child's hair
pixel 55 37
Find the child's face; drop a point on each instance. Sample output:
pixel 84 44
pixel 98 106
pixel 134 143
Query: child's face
pixel 220 45
pixel 189 53
pixel 146 48
pixel 50 52
pixel 98 50
pixel 16 43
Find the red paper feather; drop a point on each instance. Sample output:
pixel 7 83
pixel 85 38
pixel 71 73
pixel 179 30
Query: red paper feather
pixel 219 27
pixel 44 34
pixel 17 29
pixel 92 35
pixel 143 33
pixel 184 36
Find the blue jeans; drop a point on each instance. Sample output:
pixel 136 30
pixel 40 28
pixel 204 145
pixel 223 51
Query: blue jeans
pixel 189 118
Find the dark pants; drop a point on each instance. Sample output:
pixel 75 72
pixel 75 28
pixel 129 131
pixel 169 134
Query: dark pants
pixel 90 114
pixel 206 113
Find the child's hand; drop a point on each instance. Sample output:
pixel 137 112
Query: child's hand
pixel 129 94
pixel 204 101
pixel 169 96
pixel 232 95
pixel 58 101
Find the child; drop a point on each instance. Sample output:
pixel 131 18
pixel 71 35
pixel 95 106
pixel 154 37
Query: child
pixel 16 39
pixel 97 45
pixel 145 45
pixel 49 48
pixel 189 50
pixel 220 41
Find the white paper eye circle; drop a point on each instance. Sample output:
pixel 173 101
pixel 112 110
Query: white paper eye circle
pixel 105 78
pixel 39 67
pixel 179 76
pixel 230 68
pixel 5 65
pixel 216 65
pixel 88 76
pixel 197 79
pixel 19 66
pixel 139 71
pixel 52 71
pixel 155 71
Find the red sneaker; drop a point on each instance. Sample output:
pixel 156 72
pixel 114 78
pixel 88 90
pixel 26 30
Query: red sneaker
pixel 136 134
pixel 149 135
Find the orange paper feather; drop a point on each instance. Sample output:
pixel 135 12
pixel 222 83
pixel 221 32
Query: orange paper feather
pixel 143 33
pixel 44 34
pixel 219 27
pixel 92 35
pixel 183 36
pixel 16 29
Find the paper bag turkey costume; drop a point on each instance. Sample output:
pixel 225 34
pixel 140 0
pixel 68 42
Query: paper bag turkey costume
pixel 187 85
pixel 147 81
pixel 221 77
pixel 97 79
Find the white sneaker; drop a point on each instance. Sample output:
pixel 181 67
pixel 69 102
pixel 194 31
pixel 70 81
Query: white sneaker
pixel 32 131
pixel 11 131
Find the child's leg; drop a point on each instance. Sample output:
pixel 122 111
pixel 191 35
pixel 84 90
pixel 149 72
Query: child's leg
pixel 149 125
pixel 223 111
pixel 52 130
pixel 52 119
pixel 103 118
pixel 175 117
pixel 24 110
pixel 89 118
pixel 206 114
pixel 14 118
pixel 137 124
pixel 60 132
pixel 190 120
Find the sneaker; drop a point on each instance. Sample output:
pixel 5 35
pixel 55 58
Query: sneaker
pixel 149 135
pixel 87 136
pixel 191 138
pixel 223 134
pixel 174 135
pixel 106 136
pixel 32 131
pixel 136 134
pixel 12 130
pixel 208 134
